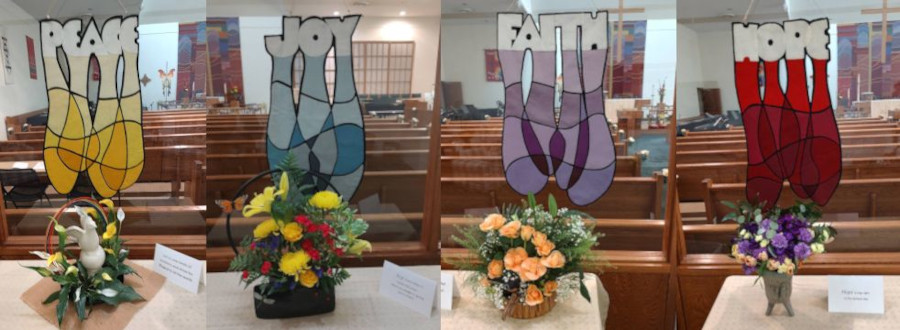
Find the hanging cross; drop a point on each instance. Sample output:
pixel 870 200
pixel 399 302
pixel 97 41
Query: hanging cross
pixel 617 52
pixel 884 10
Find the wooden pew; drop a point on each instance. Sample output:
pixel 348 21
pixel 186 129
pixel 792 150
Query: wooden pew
pixel 730 144
pixel 485 149
pixel 844 133
pixel 259 145
pixel 148 130
pixel 865 198
pixel 397 191
pixel 376 160
pixel 483 138
pixel 627 198
pixel 691 176
pixel 865 236
pixel 737 155
pixel 488 166
pixel 383 227
pixel 864 125
pixel 619 234
pixel 149 141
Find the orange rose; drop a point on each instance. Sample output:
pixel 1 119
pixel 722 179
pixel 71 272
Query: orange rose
pixel 555 260
pixel 538 238
pixel 492 222
pixel 546 248
pixel 511 229
pixel 533 296
pixel 550 287
pixel 495 269
pixel 514 258
pixel 527 231
pixel 531 270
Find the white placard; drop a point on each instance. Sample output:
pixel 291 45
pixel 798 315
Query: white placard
pixel 39 166
pixel 20 165
pixel 407 288
pixel 448 290
pixel 856 294
pixel 178 267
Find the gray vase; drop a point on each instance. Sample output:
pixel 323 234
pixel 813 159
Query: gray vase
pixel 778 290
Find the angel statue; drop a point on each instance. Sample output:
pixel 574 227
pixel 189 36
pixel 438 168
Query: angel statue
pixel 92 255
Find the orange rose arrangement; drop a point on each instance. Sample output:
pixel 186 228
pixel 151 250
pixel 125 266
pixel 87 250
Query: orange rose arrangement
pixel 527 255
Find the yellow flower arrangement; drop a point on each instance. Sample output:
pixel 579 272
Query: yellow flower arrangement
pixel 325 200
pixel 292 263
pixel 54 258
pixel 110 231
pixel 292 232
pixel 265 228
pixel 308 278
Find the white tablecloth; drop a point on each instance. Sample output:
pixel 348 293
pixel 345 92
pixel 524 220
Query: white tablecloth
pixel 358 305
pixel 742 305
pixel 171 308
pixel 470 313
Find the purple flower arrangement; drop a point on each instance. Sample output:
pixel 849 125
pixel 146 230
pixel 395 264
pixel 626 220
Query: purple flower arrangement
pixel 777 240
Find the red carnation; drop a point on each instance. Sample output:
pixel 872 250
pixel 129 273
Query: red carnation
pixel 339 252
pixel 245 275
pixel 266 266
pixel 307 245
pixel 304 221
pixel 314 255
pixel 252 246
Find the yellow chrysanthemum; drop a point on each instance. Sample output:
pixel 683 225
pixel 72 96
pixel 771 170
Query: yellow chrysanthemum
pixel 260 203
pixel 292 263
pixel 292 232
pixel 308 279
pixel 110 231
pixel 265 228
pixel 107 202
pixel 325 200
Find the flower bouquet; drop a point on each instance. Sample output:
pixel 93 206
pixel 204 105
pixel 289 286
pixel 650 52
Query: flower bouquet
pixel 97 275
pixel 296 253
pixel 774 243
pixel 527 259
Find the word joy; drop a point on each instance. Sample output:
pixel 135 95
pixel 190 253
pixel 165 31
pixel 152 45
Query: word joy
pixel 773 41
pixel 313 36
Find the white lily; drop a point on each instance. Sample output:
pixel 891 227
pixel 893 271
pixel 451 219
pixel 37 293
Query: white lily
pixel 109 292
pixel 120 215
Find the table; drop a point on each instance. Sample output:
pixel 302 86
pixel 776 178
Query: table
pixel 742 305
pixel 359 305
pixel 37 165
pixel 171 308
pixel 472 313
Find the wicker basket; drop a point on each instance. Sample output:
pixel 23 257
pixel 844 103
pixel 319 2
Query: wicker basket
pixel 522 311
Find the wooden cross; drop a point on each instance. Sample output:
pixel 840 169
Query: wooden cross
pixel 617 51
pixel 884 10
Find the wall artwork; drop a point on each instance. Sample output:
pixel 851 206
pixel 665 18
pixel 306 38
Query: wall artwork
pixel 326 137
pixel 628 71
pixel 576 148
pixel 103 139
pixel 788 136
pixel 223 38
pixel 492 65
pixel 855 43
pixel 192 59
pixel 6 59
pixel 32 62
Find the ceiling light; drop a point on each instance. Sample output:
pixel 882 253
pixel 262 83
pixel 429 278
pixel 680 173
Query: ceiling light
pixel 336 13
pixel 402 13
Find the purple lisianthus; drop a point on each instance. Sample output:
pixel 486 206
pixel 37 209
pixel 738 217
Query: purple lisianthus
pixel 766 224
pixel 805 235
pixel 748 270
pixel 744 247
pixel 779 241
pixel 801 251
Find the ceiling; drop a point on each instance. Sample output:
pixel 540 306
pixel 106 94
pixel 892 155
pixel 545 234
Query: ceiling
pixel 653 9
pixel 726 11
pixel 371 8
pixel 150 11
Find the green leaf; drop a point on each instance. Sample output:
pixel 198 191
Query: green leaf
pixel 53 297
pixel 44 272
pixel 582 288
pixel 80 306
pixel 551 205
pixel 532 202
pixel 729 204
pixel 63 303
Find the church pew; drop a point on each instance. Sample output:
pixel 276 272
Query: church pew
pixel 619 234
pixel 488 166
pixel 863 236
pixel 247 126
pixel 143 220
pixel 484 149
pixel 149 141
pixel 148 130
pixel 627 198
pixel 843 133
pixel 863 198
pixel 729 144
pixel 865 125
pixel 372 143
pixel 376 160
pixel 383 227
pixel 691 176
pixel 737 155
pixel 483 138
pixel 260 134
pixel 379 192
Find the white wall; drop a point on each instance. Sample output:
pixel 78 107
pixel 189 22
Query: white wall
pixel 159 46
pixel 25 94
pixel 660 59
pixel 257 64
pixel 463 42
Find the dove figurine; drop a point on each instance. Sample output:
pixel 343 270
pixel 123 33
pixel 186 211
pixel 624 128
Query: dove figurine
pixel 92 255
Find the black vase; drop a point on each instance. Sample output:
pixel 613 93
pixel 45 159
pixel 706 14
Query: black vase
pixel 301 301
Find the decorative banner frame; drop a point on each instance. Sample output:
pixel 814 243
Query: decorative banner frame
pixel 577 148
pixel 788 135
pixel 327 137
pixel 106 142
